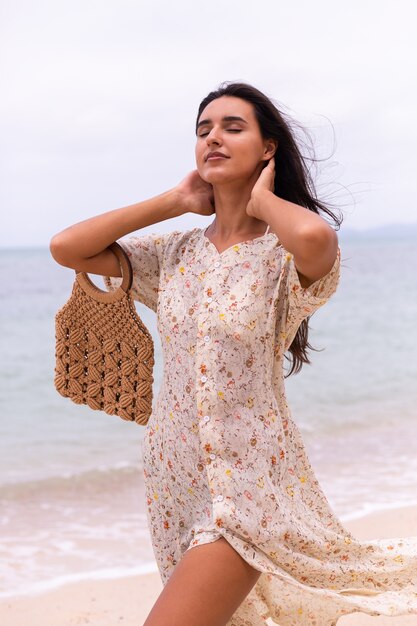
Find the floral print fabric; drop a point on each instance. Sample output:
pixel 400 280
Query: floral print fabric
pixel 222 455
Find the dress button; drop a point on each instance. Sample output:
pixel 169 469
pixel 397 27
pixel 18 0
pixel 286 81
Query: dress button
pixel 209 299
pixel 217 264
pixel 203 379
pixel 206 338
pixel 219 498
pixel 212 456
pixel 206 418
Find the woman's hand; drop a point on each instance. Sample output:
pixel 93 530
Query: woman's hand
pixel 265 182
pixel 195 195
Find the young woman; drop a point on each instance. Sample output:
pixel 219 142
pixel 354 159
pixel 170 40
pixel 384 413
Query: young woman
pixel 241 529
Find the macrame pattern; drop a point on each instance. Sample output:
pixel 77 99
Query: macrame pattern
pixel 104 352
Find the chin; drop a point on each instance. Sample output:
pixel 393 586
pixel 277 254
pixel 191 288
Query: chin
pixel 221 178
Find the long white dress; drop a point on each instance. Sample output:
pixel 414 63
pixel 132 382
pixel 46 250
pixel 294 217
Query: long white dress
pixel 222 455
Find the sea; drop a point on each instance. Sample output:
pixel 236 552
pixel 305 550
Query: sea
pixel 72 503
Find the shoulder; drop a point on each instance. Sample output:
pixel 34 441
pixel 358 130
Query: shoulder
pixel 158 239
pixel 174 243
pixel 178 238
pixel 278 243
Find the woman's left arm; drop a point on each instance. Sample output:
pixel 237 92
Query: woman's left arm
pixel 303 233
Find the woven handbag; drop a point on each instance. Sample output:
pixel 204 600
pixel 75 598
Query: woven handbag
pixel 104 354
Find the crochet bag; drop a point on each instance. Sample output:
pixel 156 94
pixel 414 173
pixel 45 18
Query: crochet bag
pixel 104 354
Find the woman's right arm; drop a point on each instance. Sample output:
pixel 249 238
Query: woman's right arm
pixel 82 246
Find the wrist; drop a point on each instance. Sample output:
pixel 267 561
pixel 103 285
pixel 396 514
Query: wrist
pixel 173 203
pixel 259 201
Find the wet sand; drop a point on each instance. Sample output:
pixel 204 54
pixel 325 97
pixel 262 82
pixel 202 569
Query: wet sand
pixel 128 601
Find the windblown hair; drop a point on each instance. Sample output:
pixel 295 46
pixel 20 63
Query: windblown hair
pixel 293 183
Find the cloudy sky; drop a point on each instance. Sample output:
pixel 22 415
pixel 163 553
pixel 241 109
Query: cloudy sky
pixel 99 99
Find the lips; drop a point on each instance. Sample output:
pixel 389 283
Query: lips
pixel 216 155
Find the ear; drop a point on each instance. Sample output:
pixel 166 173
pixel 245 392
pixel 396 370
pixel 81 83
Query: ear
pixel 270 148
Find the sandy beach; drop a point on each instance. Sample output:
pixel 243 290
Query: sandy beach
pixel 127 601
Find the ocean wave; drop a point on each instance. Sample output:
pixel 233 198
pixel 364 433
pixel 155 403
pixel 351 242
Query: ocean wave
pixel 35 588
pixel 92 480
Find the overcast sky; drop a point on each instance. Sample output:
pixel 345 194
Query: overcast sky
pixel 99 98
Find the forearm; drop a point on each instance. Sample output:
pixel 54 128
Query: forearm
pixel 293 224
pixel 89 237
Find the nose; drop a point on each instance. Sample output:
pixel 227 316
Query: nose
pixel 213 137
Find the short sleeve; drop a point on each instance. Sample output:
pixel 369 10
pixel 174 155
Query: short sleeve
pixel 146 254
pixel 303 301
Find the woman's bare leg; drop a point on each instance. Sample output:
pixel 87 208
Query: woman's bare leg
pixel 205 589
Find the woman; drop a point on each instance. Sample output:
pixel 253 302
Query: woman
pixel 241 529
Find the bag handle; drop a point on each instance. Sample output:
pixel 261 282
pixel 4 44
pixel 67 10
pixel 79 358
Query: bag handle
pixel 109 296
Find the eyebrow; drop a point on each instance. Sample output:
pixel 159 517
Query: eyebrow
pixel 227 118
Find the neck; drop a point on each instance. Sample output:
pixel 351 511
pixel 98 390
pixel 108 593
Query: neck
pixel 231 218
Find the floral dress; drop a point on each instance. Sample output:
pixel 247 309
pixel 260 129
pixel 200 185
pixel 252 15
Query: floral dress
pixel 222 456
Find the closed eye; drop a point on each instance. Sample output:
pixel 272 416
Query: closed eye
pixel 229 130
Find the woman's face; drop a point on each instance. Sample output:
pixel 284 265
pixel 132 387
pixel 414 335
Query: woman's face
pixel 228 125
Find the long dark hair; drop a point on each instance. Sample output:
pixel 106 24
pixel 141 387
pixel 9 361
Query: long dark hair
pixel 294 182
